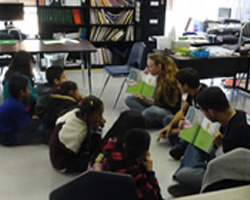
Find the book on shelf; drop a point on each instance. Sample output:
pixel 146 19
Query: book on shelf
pixel 112 17
pixel 118 36
pixel 41 2
pixel 92 3
pixel 129 18
pixel 82 33
pixel 71 3
pixel 111 3
pixel 76 16
pixel 102 16
pixel 198 130
pixel 56 16
pixel 104 3
pixel 100 33
pixel 141 83
pixel 129 34
pixel 102 56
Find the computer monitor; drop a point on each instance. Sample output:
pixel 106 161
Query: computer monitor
pixel 11 11
pixel 224 13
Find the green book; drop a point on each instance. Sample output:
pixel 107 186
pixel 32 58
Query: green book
pixel 198 130
pixel 141 83
pixel 3 42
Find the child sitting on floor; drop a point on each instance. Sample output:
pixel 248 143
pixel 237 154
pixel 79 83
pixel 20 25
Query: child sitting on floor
pixel 16 126
pixel 115 136
pixel 135 160
pixel 70 144
pixel 67 98
pixel 55 76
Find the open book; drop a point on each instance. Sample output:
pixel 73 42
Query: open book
pixel 141 83
pixel 198 130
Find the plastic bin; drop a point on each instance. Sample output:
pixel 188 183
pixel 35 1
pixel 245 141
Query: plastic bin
pixel 54 59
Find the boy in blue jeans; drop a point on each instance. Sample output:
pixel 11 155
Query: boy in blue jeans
pixel 234 133
pixel 16 127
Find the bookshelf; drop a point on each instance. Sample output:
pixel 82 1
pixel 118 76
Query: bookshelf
pixel 56 17
pixel 110 25
pixel 112 28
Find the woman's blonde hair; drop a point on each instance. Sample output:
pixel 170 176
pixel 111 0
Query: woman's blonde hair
pixel 166 82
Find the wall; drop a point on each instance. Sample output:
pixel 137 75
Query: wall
pixel 200 10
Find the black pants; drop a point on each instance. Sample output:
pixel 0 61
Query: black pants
pixel 79 163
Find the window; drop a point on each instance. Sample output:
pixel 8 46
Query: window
pixel 26 2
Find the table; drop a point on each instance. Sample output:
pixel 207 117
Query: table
pixel 84 47
pixel 217 66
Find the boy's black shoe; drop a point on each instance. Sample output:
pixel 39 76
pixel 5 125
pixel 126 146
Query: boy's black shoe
pixel 178 151
pixel 180 191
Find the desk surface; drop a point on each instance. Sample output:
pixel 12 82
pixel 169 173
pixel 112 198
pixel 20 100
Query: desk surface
pixel 37 46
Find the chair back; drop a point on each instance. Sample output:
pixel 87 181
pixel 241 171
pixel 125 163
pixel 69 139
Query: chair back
pixel 93 185
pixel 244 33
pixel 136 55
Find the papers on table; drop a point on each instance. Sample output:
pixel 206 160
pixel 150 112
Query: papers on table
pixel 61 41
pixel 218 51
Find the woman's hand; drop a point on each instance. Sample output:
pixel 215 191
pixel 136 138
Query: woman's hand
pixel 181 123
pixel 139 96
pixel 146 71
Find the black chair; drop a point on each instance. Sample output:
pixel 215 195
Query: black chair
pixel 134 61
pixel 93 185
pixel 244 33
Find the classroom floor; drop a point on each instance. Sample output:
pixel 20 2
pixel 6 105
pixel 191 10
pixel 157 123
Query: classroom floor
pixel 26 172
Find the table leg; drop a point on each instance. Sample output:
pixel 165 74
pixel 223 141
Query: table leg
pixel 85 58
pixel 39 66
pixel 82 68
pixel 247 80
pixel 89 72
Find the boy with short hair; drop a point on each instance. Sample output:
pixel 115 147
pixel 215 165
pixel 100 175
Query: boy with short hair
pixel 188 82
pixel 55 77
pixel 13 115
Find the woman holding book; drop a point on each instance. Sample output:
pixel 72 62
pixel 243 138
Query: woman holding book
pixel 166 100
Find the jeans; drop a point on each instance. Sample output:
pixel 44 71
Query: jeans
pixel 31 134
pixel 151 113
pixel 192 168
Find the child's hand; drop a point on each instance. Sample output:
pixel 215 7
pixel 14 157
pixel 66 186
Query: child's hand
pixel 217 138
pixel 35 117
pixel 148 163
pixel 164 132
